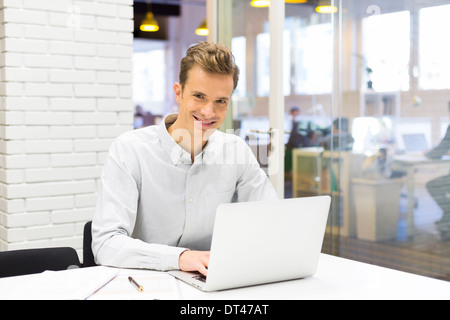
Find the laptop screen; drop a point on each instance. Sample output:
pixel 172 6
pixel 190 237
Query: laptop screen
pixel 415 142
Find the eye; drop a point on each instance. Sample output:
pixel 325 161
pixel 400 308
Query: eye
pixel 199 95
pixel 222 101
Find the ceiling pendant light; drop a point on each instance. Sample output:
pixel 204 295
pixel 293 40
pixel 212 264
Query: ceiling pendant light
pixel 296 1
pixel 202 30
pixel 266 3
pixel 149 24
pixel 324 6
pixel 260 3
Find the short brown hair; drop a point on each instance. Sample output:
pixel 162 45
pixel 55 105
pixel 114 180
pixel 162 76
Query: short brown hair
pixel 212 58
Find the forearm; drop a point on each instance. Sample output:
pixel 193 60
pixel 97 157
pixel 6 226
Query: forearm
pixel 115 218
pixel 125 252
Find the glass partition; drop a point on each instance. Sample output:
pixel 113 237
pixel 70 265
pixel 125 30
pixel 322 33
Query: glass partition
pixel 367 96
pixel 395 94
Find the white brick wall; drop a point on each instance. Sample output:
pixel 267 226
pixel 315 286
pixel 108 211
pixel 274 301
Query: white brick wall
pixel 65 87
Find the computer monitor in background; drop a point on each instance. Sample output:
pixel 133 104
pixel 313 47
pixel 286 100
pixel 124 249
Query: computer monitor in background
pixel 413 135
pixel 415 142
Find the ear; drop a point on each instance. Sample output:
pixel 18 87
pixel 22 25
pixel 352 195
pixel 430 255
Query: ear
pixel 178 91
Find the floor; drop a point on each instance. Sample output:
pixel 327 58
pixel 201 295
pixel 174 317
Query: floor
pixel 424 252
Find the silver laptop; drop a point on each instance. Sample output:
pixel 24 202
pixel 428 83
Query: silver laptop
pixel 415 142
pixel 262 242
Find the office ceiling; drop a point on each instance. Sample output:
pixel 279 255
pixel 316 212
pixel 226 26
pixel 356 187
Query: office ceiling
pixel 173 2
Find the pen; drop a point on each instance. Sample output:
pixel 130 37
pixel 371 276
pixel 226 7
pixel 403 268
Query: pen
pixel 137 285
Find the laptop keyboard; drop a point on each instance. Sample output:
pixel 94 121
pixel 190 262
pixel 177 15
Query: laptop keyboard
pixel 201 278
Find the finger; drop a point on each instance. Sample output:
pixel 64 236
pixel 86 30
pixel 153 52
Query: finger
pixel 203 271
pixel 205 264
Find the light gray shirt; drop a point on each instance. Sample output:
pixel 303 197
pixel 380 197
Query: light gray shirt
pixel 154 203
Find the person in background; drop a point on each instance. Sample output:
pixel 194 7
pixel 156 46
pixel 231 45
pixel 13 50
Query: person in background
pixel 161 184
pixel 295 138
pixel 439 188
pixel 295 141
pixel 339 138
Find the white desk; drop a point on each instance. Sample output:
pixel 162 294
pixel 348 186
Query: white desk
pixel 337 278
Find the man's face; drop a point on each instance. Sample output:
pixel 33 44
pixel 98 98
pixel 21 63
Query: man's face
pixel 204 101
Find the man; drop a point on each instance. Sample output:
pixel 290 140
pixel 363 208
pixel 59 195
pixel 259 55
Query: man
pixel 439 188
pixel 295 138
pixel 161 185
pixel 339 137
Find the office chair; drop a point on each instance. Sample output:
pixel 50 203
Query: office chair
pixel 29 261
pixel 88 255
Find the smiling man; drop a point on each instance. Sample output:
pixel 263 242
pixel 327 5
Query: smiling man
pixel 203 102
pixel 161 185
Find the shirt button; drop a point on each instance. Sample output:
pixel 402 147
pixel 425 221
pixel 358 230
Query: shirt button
pixel 190 200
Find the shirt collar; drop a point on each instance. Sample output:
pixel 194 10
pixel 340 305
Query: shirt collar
pixel 177 154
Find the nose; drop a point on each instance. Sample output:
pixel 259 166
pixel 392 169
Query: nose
pixel 207 111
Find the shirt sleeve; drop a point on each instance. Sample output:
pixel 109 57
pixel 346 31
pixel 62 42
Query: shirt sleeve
pixel 253 183
pixel 442 148
pixel 115 217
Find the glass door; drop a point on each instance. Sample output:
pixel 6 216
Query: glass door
pixel 245 28
pixel 283 106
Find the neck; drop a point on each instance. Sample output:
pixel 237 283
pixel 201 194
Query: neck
pixel 192 144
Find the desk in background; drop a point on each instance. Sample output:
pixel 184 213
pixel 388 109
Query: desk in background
pixel 409 164
pixel 336 278
pixel 316 171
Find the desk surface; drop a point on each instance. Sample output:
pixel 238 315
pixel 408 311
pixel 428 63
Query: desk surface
pixel 417 159
pixel 336 278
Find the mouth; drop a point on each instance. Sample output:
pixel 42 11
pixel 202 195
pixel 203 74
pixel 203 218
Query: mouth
pixel 205 123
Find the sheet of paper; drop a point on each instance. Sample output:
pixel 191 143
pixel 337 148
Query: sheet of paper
pixel 157 285
pixel 74 284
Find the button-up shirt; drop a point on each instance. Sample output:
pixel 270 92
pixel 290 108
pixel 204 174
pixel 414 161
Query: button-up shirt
pixel 154 203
